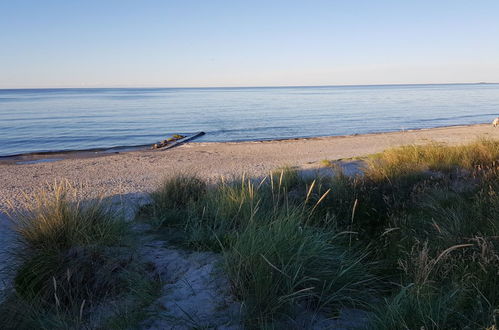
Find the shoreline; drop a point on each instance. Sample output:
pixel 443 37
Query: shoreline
pixel 137 172
pixel 52 156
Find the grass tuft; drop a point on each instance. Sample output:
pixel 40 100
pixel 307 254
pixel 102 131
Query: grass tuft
pixel 279 264
pixel 174 196
pixel 72 255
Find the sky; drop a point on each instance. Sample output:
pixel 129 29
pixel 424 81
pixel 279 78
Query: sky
pixel 214 43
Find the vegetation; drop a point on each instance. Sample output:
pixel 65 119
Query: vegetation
pixel 413 240
pixel 72 256
pixel 174 196
pixel 276 265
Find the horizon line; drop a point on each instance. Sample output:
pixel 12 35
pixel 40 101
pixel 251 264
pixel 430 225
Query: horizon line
pixel 268 86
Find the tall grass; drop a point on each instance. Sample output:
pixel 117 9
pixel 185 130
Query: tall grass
pixel 209 217
pixel 448 243
pixel 174 195
pixel 421 218
pixel 432 157
pixel 442 236
pixel 278 264
pixel 275 259
pixel 72 255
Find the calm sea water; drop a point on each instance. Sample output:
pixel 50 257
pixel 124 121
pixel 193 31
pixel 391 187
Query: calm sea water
pixel 69 119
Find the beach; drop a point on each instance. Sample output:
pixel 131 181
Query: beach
pixel 126 178
pixel 244 165
pixel 135 172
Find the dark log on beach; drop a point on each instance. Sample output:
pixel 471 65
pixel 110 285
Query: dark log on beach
pixel 180 141
pixel 168 141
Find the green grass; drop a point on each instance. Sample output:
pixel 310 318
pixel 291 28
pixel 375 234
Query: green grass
pixel 413 240
pixel 72 255
pixel 278 264
pixel 173 197
pixel 275 259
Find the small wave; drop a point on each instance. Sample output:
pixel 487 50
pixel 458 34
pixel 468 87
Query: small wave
pixel 456 118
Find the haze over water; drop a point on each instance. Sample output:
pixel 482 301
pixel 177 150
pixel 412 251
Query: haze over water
pixel 73 119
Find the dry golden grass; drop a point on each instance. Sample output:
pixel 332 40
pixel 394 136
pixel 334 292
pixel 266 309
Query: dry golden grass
pixel 432 157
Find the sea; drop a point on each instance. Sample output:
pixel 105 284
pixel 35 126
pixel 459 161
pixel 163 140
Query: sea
pixel 45 120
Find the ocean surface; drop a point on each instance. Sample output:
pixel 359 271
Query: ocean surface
pixel 36 120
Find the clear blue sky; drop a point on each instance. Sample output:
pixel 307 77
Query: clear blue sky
pixel 107 43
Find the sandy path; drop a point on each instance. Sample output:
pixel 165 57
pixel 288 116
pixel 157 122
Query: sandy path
pixel 141 171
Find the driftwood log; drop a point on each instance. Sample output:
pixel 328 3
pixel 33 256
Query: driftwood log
pixel 175 140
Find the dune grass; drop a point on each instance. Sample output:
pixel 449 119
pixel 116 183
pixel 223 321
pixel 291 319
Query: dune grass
pixel 412 159
pixel 277 265
pixel 430 216
pixel 72 255
pixel 275 260
pixel 413 240
pixel 172 199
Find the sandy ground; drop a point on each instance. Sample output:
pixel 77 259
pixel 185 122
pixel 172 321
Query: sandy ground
pixel 195 293
pixel 141 171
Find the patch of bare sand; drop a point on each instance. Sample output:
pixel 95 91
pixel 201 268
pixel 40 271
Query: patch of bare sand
pixel 196 291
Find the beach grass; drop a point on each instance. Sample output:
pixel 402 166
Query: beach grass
pixel 276 265
pixel 413 240
pixel 72 254
pixel 174 196
pixel 432 157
